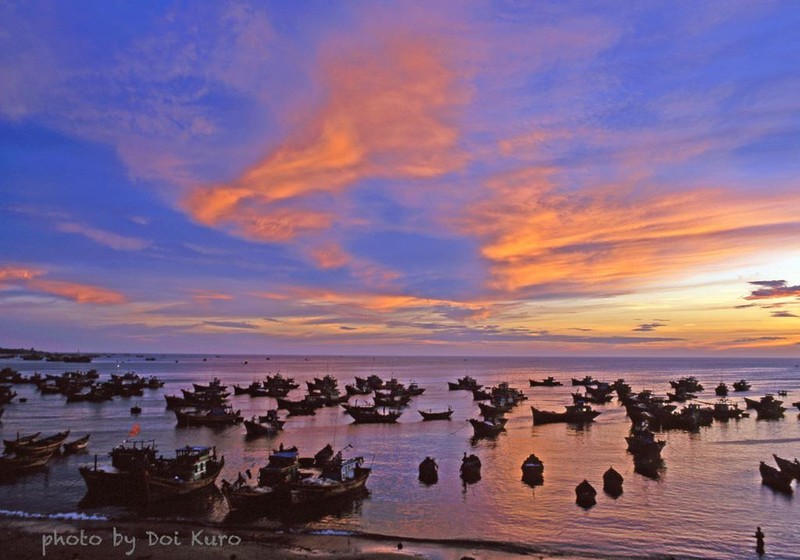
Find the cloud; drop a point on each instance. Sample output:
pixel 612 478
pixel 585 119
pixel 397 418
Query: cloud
pixel 231 324
pixel 758 339
pixel 647 327
pixel 31 279
pixel 537 234
pixel 209 295
pixel 387 114
pixel 746 305
pixel 102 237
pixel 782 314
pixel 773 289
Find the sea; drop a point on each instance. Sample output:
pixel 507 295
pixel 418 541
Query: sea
pixel 705 503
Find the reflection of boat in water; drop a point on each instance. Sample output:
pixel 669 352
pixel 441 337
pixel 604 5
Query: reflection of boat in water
pixel 340 477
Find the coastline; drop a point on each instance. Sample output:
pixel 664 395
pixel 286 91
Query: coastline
pixel 66 539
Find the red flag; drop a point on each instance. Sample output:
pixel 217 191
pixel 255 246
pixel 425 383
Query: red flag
pixel 135 430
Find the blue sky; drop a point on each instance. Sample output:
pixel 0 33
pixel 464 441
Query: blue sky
pixel 393 177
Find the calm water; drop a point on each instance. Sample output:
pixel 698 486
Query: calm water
pixel 706 503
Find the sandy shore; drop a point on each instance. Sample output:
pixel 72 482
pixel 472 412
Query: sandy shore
pixel 109 540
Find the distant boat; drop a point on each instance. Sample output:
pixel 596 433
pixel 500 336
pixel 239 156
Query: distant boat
pixel 585 494
pixel 428 471
pixel 546 382
pixel 574 414
pixel 532 470
pixel 612 482
pixel 76 445
pixel 438 415
pixel 775 479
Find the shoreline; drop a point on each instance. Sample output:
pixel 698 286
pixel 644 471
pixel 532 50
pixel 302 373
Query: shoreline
pixel 86 539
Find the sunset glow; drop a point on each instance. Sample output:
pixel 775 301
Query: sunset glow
pixel 402 178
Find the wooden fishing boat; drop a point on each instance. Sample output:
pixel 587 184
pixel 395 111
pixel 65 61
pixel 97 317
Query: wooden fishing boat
pixel 612 482
pixel 13 444
pixel 741 385
pixel 533 470
pixel 574 414
pixel 255 427
pixel 721 390
pixel 643 442
pixel 465 383
pixel 352 390
pixel 341 477
pixel 488 427
pixel 221 416
pixel 375 416
pixel 12 465
pixel 790 468
pixel 546 382
pixel 44 446
pixel 242 496
pixel 428 471
pixel 76 445
pixel 436 415
pixel 585 494
pixel 586 381
pixel 194 468
pixel 470 469
pixel 775 479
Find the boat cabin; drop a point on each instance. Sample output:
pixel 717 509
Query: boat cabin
pixel 192 462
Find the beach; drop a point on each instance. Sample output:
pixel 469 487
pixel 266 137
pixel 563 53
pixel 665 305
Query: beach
pixel 108 540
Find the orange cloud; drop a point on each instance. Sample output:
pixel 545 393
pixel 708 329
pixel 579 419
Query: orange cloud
pixel 388 114
pixel 80 293
pixel 536 234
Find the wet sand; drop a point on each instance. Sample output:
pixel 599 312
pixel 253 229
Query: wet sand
pixel 109 540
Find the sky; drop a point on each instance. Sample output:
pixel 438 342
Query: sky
pixel 378 177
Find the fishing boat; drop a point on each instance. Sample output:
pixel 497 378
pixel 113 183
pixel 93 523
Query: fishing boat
pixel 194 468
pixel 374 416
pixel 585 494
pixel 76 445
pixel 220 416
pixel 264 425
pixel 741 385
pixel 436 415
pixel 532 470
pixel 574 414
pixel 13 444
pixel 488 427
pixel 643 442
pixel 586 381
pixel 612 482
pixel 465 383
pixel 470 469
pixel 13 464
pixel 428 471
pixel 721 390
pixel 790 468
pixel 546 382
pixel 40 447
pixel 123 478
pixel 775 479
pixel 341 477
pixel 724 410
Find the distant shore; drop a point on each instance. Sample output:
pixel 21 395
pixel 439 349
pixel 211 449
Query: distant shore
pixel 152 540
